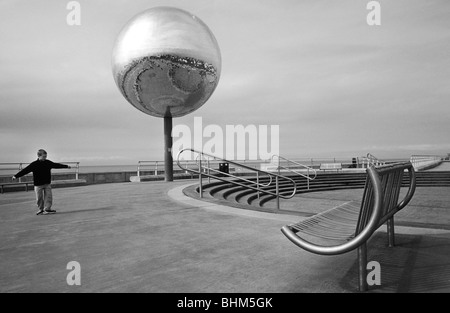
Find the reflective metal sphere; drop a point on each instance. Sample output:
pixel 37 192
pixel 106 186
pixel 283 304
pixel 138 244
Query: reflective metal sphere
pixel 166 62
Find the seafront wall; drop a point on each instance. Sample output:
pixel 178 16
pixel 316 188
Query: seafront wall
pixel 96 178
pixel 90 178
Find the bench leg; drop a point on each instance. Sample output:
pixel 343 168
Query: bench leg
pixel 362 264
pixel 391 232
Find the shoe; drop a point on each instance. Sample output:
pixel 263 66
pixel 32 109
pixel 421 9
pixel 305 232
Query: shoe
pixel 39 212
pixel 47 212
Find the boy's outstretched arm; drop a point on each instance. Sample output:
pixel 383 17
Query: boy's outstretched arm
pixel 23 172
pixel 59 165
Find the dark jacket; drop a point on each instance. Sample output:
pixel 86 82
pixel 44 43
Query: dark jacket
pixel 42 171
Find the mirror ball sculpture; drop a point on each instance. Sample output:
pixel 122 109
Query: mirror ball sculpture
pixel 166 63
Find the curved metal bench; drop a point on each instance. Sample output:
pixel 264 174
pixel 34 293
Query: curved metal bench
pixel 349 226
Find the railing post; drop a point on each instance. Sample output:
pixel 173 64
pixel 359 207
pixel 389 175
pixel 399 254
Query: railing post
pixel 277 193
pixel 257 183
pixel 200 187
pixel 20 168
pixel 391 232
pixel 156 168
pixel 278 186
pixel 208 170
pixel 307 179
pixel 77 170
pixel 362 267
pixel 139 169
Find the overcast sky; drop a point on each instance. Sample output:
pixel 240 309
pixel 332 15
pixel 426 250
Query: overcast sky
pixel 336 86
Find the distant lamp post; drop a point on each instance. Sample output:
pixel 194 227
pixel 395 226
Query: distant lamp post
pixel 166 62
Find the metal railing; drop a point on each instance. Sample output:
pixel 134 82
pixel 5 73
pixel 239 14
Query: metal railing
pixel 213 173
pixel 369 160
pixel 361 162
pixel 16 167
pixel 425 161
pixel 155 167
pixel 297 165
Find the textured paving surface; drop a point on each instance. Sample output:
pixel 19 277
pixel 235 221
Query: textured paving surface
pixel 136 238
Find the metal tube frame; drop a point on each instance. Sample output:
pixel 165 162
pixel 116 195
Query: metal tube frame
pixel 236 178
pixel 308 177
pixel 376 219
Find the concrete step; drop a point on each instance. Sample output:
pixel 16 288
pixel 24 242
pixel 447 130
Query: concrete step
pixel 323 182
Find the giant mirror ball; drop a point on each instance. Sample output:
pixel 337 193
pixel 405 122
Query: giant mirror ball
pixel 166 62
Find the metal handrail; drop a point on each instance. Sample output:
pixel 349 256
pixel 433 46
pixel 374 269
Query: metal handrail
pixel 155 166
pixel 419 161
pixel 209 169
pixel 374 160
pixel 308 177
pixel 370 159
pixel 258 188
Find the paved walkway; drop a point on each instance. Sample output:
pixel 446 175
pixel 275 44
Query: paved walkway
pixel 148 237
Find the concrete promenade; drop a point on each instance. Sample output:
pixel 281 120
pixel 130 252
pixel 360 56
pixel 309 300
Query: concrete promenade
pixel 148 237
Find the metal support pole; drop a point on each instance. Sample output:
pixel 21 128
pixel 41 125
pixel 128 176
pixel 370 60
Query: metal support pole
pixel 20 168
pixel 77 171
pixel 209 171
pixel 362 265
pixel 391 232
pixel 200 175
pixel 308 179
pixel 168 142
pixel 257 183
pixel 278 193
pixel 278 186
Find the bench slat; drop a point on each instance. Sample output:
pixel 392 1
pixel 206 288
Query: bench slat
pixel 337 224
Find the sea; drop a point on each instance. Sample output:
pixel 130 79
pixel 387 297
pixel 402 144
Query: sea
pixel 5 171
